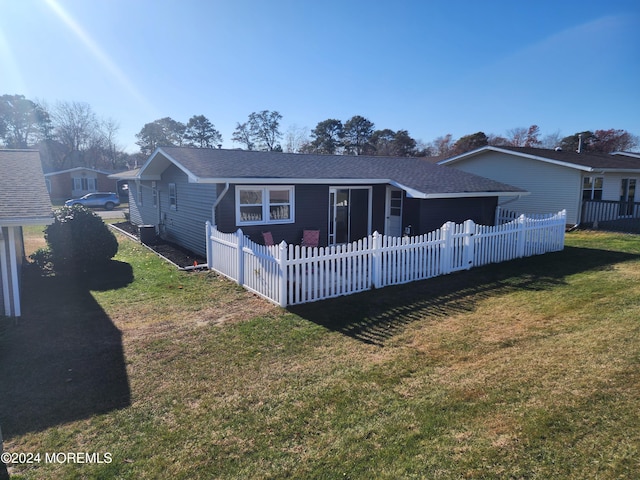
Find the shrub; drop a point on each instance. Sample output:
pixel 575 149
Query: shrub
pixel 79 240
pixel 42 259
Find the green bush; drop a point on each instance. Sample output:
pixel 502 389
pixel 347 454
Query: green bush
pixel 79 240
pixel 42 259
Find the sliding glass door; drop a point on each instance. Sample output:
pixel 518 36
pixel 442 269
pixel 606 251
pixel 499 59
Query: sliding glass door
pixel 349 214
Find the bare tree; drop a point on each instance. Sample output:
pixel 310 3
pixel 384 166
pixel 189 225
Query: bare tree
pixel 442 146
pixel 296 139
pixel 551 140
pixel 242 135
pixel 517 136
pixel 77 128
pixel 261 131
pixel 112 151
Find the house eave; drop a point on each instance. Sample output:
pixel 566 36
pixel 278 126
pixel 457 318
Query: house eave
pixel 292 180
pixel 481 150
pixel 616 170
pixel 143 175
pixel 473 195
pixel 25 221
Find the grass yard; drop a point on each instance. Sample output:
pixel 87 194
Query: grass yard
pixel 528 369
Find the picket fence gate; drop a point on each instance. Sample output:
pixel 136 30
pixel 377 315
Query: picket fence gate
pixel 292 274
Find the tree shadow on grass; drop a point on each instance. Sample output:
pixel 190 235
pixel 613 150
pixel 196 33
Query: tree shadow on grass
pixel 377 315
pixel 63 359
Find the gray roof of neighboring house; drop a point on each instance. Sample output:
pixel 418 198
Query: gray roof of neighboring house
pixel 417 176
pixel 125 175
pixel 77 169
pixel 24 199
pixel 587 161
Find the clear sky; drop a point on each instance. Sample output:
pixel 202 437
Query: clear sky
pixel 431 67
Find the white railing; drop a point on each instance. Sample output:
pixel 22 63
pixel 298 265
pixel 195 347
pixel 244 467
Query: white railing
pixel 292 274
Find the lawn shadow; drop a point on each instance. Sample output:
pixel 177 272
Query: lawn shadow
pixel 63 359
pixel 377 315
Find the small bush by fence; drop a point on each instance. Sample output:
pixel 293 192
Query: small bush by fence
pixel 291 274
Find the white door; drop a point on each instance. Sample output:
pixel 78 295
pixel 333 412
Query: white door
pixel 393 225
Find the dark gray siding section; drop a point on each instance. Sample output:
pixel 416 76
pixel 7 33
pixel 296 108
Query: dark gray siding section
pixel 185 224
pixel 311 213
pixel 424 216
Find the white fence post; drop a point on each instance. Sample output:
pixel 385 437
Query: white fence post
pixel 522 233
pixel 469 243
pixel 240 259
pixel 376 264
pixel 284 267
pixel 446 257
pixel 208 233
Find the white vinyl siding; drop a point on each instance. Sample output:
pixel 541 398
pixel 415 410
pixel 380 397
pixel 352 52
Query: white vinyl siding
pixel 553 187
pixel 184 225
pixel 612 184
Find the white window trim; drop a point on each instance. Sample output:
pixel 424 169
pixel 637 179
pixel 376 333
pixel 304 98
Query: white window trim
pixel 139 199
pixel 154 193
pixel 173 194
pixel 593 189
pixel 266 220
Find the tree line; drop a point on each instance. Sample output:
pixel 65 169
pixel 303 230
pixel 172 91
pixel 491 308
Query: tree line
pixel 70 134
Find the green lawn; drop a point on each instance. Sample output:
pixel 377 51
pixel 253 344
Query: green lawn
pixel 528 369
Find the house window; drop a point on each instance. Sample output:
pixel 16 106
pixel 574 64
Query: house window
pixel 264 205
pixel 592 188
pixel 139 190
pixel 173 197
pixel 154 193
pixel 85 184
pixel 627 197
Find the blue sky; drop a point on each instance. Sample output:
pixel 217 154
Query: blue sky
pixel 430 67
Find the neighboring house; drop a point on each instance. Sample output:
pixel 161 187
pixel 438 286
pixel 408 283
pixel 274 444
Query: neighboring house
pixel 557 179
pixel 78 181
pixel 23 201
pixel 344 197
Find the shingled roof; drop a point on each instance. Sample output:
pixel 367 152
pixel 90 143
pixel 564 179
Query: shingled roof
pixel 586 161
pixel 418 177
pixel 23 194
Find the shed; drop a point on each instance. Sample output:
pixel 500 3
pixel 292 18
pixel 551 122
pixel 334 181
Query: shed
pixel 23 201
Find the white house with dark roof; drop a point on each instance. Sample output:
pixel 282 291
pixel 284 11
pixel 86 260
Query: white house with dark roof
pixel 23 201
pixel 558 179
pixel 346 198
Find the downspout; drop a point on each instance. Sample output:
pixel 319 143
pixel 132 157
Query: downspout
pixel 215 204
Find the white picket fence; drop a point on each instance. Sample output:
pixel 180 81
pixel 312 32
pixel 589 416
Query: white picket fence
pixel 291 274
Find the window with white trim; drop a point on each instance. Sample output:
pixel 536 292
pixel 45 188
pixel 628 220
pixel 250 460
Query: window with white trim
pixel 86 184
pixel 173 197
pixel 264 205
pixel 139 191
pixel 592 188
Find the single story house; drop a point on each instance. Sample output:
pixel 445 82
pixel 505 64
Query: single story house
pixel 557 179
pixel 23 201
pixel 346 198
pixel 78 181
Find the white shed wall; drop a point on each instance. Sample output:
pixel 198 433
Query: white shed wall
pixel 553 187
pixel 612 183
